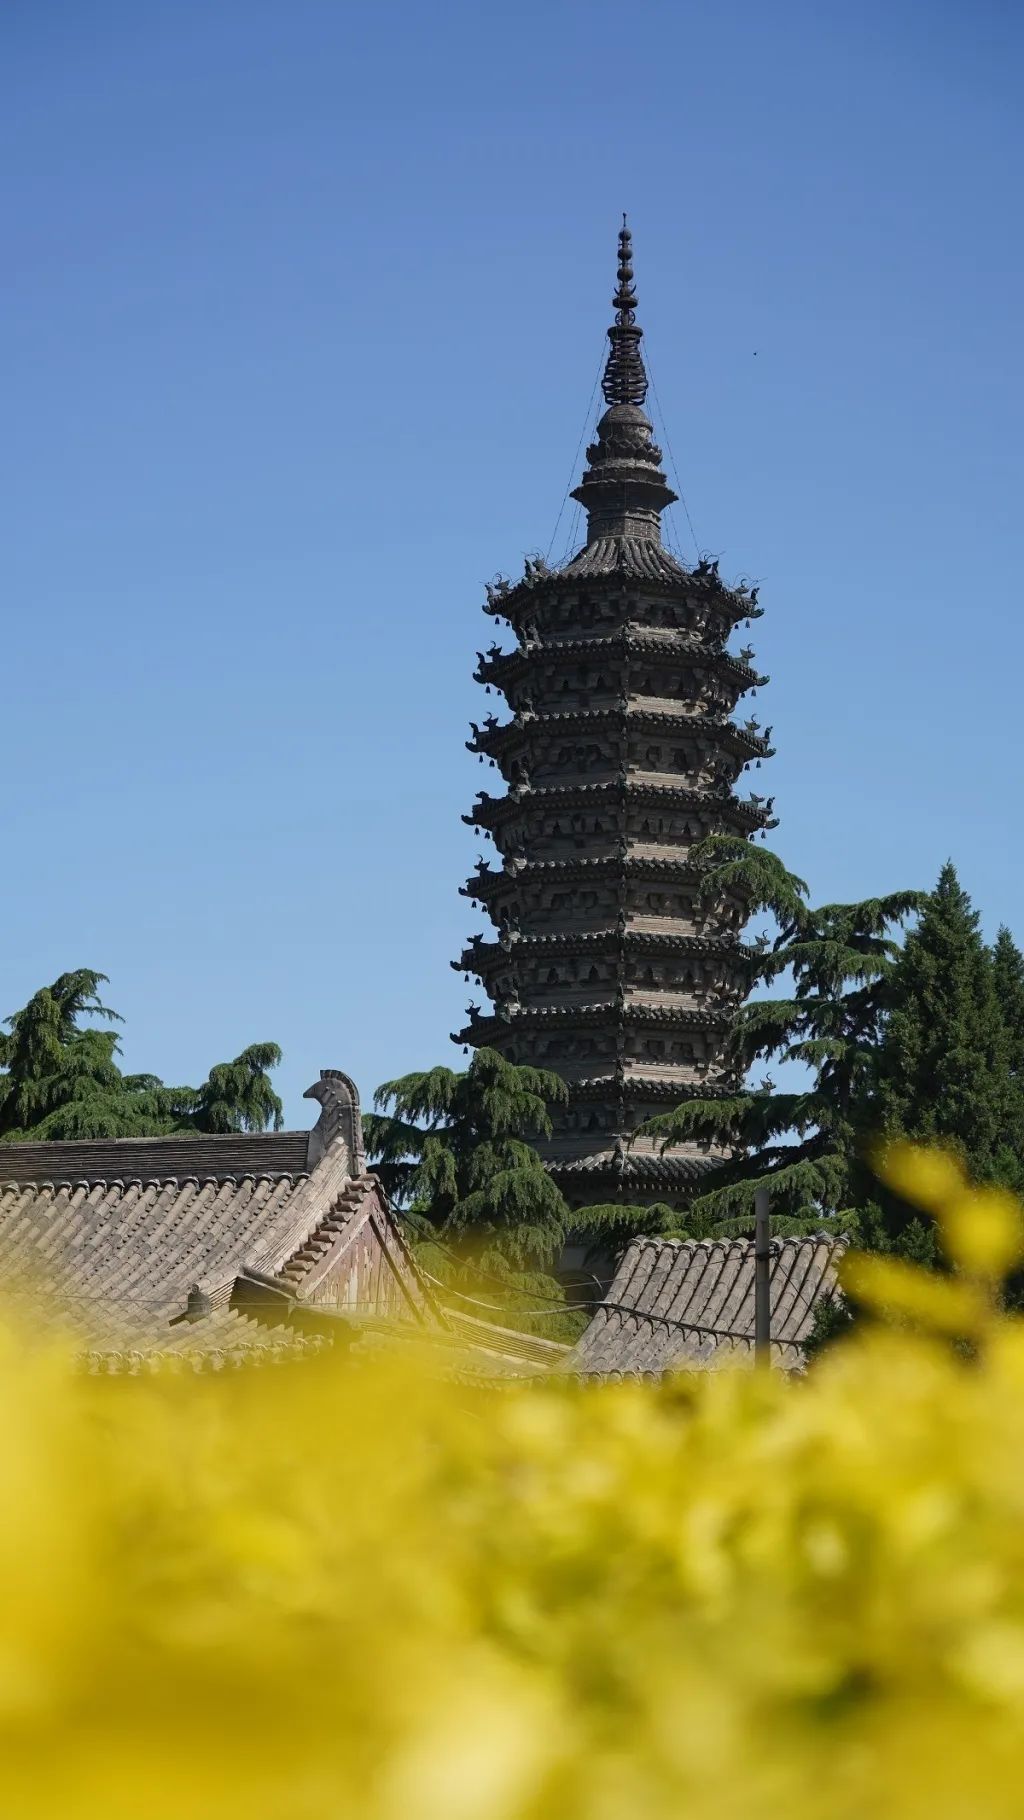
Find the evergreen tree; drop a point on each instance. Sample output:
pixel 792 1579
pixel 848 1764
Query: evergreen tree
pixel 238 1096
pixel 454 1153
pixel 1008 978
pixel 803 1145
pixel 59 1077
pixel 943 1072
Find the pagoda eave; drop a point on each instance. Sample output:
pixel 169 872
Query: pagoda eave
pixel 490 884
pixel 517 602
pixel 510 666
pixel 631 1012
pixel 492 812
pixel 633 1089
pixel 627 1171
pixel 590 941
pixel 490 742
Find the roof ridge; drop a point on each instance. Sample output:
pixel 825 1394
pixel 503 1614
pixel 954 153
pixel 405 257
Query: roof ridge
pixel 153 1181
pixel 777 1243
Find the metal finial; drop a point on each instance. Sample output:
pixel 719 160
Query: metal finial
pixel 625 381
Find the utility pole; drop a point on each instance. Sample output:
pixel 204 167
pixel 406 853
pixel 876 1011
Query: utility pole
pixel 762 1282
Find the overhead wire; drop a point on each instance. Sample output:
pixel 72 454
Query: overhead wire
pixel 579 445
pixel 668 445
pixel 546 1305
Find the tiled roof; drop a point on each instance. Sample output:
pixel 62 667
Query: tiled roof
pixel 491 811
pixel 623 559
pixel 685 1305
pixel 135 1244
pixel 670 645
pixel 627 1010
pixel 644 1087
pixel 639 559
pixel 204 1158
pixel 489 883
pixel 567 941
pixel 118 1258
pixel 638 1170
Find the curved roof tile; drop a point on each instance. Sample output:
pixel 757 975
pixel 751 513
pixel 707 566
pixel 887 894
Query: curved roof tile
pixel 676 1305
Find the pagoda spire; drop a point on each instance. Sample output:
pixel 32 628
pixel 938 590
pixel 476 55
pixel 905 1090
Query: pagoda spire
pixel 625 377
pixel 624 489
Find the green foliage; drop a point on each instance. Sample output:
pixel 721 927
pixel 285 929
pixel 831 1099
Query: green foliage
pixel 755 874
pixel 59 1077
pixel 947 1065
pixel 831 1319
pixel 1008 979
pixel 606 1229
pixel 802 1145
pixel 238 1096
pixel 453 1153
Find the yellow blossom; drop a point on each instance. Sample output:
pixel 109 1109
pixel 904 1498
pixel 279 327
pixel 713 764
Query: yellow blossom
pixel 353 1591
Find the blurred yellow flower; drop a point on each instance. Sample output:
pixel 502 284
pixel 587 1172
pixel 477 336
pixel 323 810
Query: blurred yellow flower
pixel 982 1229
pixel 350 1591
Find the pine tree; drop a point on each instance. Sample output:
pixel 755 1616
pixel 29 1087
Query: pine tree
pixel 453 1151
pixel 803 1145
pixel 1008 978
pixel 943 1072
pixel 60 1079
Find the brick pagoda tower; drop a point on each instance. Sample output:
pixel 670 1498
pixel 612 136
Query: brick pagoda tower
pixel 607 965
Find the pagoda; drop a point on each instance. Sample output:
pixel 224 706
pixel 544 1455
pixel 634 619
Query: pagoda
pixel 608 964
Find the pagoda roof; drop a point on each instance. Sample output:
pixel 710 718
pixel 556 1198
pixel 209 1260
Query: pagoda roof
pixel 676 646
pixel 637 558
pixel 621 562
pixel 633 1171
pixel 643 940
pixel 518 872
pixel 492 740
pixel 637 1011
pixel 491 811
pixel 588 1017
pixel 633 1087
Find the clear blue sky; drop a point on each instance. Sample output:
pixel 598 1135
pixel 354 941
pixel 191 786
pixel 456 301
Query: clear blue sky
pixel 302 310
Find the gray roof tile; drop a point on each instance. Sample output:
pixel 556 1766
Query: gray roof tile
pixel 685 1304
pixel 640 559
pixel 109 1237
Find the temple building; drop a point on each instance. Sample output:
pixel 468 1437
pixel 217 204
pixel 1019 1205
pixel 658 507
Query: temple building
pixel 213 1252
pixel 607 964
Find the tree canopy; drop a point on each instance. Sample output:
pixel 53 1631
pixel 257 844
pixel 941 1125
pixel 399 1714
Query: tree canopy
pixel 802 1144
pixel 454 1153
pixel 943 1064
pixel 60 1078
pixel 920 1039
